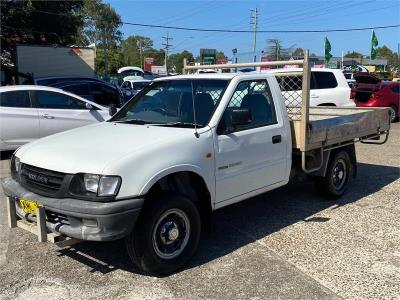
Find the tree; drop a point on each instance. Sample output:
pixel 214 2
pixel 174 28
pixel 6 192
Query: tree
pixel 133 49
pixel 392 57
pixel 175 61
pixel 37 22
pixel 298 52
pixel 221 55
pixel 101 27
pixel 276 50
pixel 353 54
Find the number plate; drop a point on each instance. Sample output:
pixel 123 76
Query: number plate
pixel 29 206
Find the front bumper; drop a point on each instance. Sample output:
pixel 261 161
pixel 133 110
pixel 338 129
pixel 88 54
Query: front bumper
pixel 80 219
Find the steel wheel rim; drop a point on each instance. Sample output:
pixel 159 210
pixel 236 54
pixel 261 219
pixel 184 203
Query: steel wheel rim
pixel 171 234
pixel 339 174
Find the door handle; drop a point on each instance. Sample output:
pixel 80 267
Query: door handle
pixel 47 116
pixel 314 96
pixel 276 139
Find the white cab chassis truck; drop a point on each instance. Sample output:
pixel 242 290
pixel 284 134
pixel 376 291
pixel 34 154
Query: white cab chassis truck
pixel 180 149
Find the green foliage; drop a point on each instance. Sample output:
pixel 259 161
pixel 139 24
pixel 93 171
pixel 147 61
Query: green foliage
pixel 175 61
pixel 353 54
pixel 298 52
pixel 101 24
pixel 114 58
pixel 134 48
pixel 101 27
pixel 392 57
pixel 38 22
pixel 276 50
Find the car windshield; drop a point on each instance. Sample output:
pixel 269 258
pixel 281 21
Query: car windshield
pixel 171 103
pixel 139 85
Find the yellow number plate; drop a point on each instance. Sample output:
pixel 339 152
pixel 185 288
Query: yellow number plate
pixel 29 206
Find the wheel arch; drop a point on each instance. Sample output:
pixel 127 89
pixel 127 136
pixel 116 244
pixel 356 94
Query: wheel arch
pixel 184 180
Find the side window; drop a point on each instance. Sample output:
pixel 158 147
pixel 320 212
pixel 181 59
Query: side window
pixel 45 99
pixel 396 89
pixel 15 99
pixel 323 80
pixel 105 95
pixel 252 95
pixel 78 89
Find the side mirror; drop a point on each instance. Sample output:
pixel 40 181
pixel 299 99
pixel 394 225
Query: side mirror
pixel 241 116
pixel 112 110
pixel 89 106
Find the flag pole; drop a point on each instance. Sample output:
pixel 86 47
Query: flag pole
pixel 325 52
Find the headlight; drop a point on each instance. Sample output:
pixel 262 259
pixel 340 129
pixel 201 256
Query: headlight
pixel 91 182
pixel 102 186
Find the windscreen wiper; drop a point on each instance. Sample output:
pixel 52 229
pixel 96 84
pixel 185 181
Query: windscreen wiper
pixel 179 124
pixel 133 121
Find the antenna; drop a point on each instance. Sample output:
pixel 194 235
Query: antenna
pixel 196 134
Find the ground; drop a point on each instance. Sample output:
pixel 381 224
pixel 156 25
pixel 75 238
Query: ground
pixel 286 244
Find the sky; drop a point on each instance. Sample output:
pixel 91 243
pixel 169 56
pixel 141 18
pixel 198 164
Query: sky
pixel 273 15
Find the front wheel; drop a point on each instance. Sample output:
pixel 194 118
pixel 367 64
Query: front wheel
pixel 166 235
pixel 337 177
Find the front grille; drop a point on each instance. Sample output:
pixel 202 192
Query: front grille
pixel 57 218
pixel 41 180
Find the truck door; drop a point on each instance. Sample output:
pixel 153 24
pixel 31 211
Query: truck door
pixel 253 156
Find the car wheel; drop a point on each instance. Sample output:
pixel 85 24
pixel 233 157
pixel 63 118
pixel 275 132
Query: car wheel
pixel 166 236
pixel 337 177
pixel 393 113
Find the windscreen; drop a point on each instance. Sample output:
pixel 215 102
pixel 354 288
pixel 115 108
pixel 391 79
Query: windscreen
pixel 171 103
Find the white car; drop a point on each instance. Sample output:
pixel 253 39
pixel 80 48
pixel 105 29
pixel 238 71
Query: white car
pixel 328 87
pixel 131 86
pixel 29 112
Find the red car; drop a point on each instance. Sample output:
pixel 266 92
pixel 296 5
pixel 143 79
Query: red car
pixel 370 93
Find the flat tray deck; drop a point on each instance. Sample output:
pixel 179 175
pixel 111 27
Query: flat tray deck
pixel 333 125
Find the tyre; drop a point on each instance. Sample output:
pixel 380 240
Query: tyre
pixel 166 235
pixel 393 114
pixel 337 177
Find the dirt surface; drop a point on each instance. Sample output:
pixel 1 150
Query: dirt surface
pixel 286 244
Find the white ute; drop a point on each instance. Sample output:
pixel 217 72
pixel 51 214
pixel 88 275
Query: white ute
pixel 180 149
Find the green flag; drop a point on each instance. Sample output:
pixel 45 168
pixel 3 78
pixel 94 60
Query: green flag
pixel 327 52
pixel 374 44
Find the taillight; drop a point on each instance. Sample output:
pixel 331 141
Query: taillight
pixel 352 94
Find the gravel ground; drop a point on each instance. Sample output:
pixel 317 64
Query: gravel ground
pixel 286 244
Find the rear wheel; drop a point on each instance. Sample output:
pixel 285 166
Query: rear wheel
pixel 393 113
pixel 166 235
pixel 337 177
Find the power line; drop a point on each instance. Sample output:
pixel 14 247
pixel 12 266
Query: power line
pixel 260 31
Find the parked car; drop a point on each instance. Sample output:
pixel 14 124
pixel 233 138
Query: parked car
pixel 48 81
pixel 386 96
pixel 101 93
pixel 29 112
pixel 130 87
pixel 366 83
pixel 328 87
